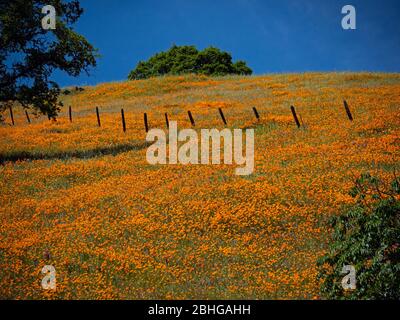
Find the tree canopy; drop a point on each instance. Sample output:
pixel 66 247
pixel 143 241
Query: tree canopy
pixel 30 53
pixel 366 236
pixel 187 59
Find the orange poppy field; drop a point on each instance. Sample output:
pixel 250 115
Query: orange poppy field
pixel 83 198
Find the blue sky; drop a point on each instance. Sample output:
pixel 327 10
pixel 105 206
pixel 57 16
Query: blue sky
pixel 272 36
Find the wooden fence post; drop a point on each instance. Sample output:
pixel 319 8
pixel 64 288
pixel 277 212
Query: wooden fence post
pixel 301 121
pixel 27 117
pixel 222 115
pixel 191 118
pixel 146 126
pixel 70 113
pixel 123 120
pixel 256 113
pixel 98 116
pixel 346 106
pixel 295 116
pixel 12 115
pixel 166 120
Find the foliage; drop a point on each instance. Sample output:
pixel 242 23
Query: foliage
pixel 241 68
pixel 368 237
pixel 29 54
pixel 187 59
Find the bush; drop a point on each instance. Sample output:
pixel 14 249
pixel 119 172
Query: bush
pixel 367 237
pixel 187 59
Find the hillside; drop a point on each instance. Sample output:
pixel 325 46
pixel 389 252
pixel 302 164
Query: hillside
pixel 84 199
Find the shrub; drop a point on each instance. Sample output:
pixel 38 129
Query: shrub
pixel 187 59
pixel 367 236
